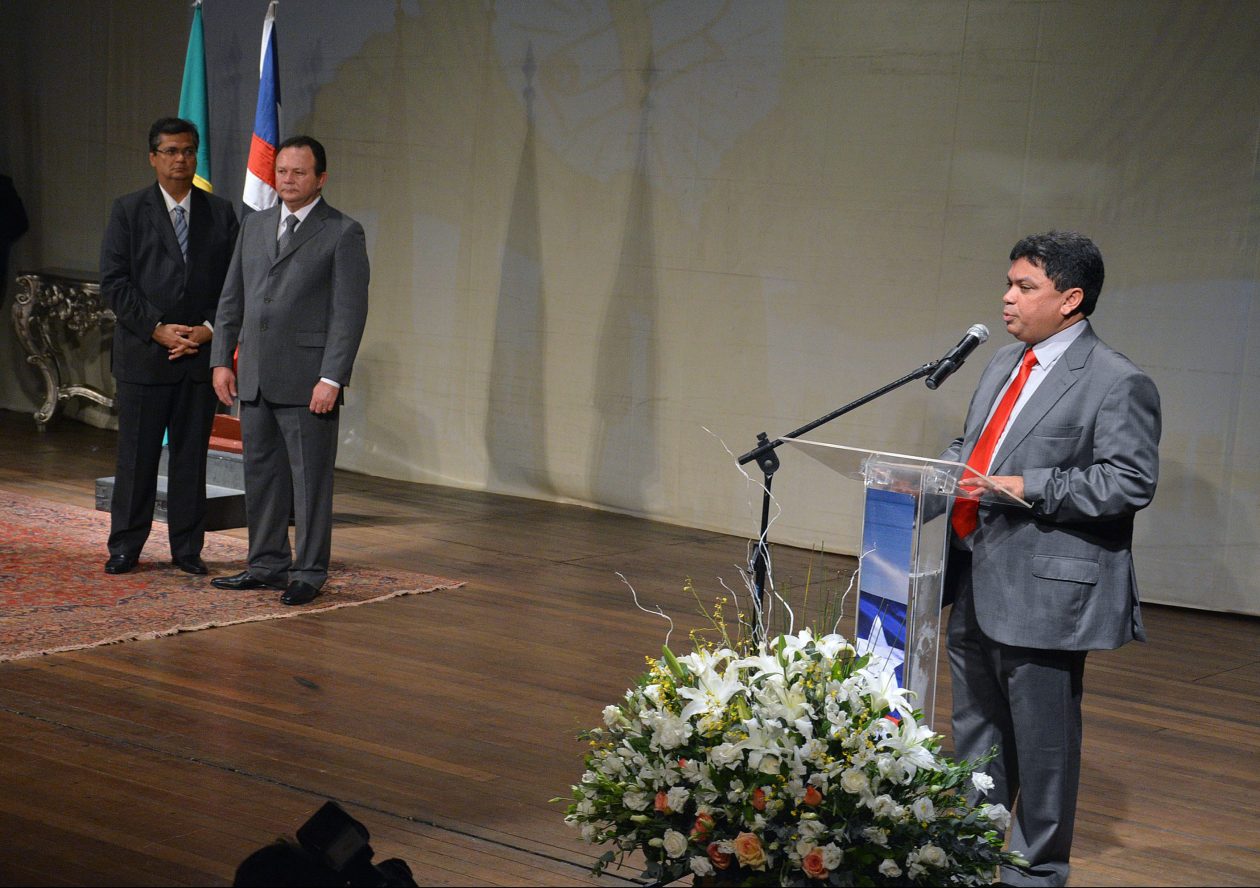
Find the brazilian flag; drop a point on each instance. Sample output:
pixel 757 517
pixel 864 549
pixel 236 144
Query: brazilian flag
pixel 194 103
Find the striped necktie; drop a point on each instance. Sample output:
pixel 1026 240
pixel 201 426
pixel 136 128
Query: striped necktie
pixel 181 231
pixel 965 514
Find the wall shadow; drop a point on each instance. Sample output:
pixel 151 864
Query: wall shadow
pixel 516 433
pixel 623 467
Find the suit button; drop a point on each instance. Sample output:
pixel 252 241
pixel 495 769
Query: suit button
pixel 263 326
pixel 266 299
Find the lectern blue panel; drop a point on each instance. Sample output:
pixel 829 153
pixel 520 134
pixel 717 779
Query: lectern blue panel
pixel 887 555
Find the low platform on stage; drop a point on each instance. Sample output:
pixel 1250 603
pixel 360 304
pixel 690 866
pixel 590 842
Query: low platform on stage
pixel 225 490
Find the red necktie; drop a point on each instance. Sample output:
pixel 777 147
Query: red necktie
pixel 964 515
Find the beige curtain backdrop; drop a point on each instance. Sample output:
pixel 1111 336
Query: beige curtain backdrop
pixel 613 240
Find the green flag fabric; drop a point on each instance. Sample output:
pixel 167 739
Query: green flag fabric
pixel 194 103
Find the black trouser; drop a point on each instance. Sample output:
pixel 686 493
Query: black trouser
pixel 145 412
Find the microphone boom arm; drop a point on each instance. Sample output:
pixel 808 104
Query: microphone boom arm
pixel 765 445
pixel 768 462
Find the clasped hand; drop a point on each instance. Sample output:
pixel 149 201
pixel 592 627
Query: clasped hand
pixel 181 340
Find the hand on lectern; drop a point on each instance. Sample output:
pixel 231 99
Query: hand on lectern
pixel 1012 484
pixel 975 487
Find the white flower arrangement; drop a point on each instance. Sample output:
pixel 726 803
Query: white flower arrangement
pixel 782 764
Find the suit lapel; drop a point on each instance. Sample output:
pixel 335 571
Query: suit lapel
pixel 991 386
pixel 160 220
pixel 307 230
pixel 1062 377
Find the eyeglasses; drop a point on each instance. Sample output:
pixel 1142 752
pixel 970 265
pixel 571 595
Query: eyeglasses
pixel 176 152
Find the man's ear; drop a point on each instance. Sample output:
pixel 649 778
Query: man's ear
pixel 1072 300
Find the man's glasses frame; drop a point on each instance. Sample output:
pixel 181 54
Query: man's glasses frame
pixel 176 152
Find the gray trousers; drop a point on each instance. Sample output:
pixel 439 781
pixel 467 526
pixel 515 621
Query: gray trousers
pixel 1027 703
pixel 289 456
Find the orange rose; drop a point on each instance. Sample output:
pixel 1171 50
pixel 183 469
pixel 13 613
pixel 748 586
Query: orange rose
pixel 662 802
pixel 813 797
pixel 717 858
pixel 702 828
pixel 759 799
pixel 812 864
pixel 749 852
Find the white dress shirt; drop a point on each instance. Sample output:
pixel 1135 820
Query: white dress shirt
pixel 186 203
pixel 1048 352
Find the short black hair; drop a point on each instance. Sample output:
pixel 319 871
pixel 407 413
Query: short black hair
pixel 1069 259
pixel 171 126
pixel 321 159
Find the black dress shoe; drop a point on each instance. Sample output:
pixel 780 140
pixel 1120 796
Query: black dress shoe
pixel 299 593
pixel 242 580
pixel 120 564
pixel 190 564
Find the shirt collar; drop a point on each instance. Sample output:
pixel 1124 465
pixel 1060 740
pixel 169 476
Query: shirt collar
pixel 301 214
pixel 172 203
pixel 1049 350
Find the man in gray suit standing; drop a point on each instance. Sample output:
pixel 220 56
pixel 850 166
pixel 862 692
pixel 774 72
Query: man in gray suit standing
pixel 1072 427
pixel 295 302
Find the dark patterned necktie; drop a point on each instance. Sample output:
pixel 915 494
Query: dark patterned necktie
pixel 290 223
pixel 181 231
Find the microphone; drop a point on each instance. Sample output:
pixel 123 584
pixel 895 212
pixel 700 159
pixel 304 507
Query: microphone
pixel 954 358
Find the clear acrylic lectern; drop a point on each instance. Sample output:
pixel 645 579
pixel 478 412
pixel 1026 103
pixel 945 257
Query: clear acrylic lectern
pixel 905 532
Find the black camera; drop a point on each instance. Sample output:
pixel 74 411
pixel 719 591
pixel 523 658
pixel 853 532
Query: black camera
pixel 332 849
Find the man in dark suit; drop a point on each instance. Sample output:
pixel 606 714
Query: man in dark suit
pixel 163 258
pixel 1072 427
pixel 295 301
pixel 13 224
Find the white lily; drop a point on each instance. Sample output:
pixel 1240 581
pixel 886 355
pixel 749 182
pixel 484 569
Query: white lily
pixel 881 685
pixel 712 689
pixel 764 744
pixel 833 646
pixel 761 667
pixel 909 741
pixel 783 702
pixel 703 660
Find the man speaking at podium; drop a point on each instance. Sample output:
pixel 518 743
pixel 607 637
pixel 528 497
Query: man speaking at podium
pixel 1072 427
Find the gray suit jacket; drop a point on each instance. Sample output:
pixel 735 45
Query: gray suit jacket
pixel 1060 576
pixel 298 316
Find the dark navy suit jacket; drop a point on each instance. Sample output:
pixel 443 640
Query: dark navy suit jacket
pixel 146 281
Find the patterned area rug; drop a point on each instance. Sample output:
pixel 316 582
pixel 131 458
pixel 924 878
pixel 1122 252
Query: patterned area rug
pixel 55 595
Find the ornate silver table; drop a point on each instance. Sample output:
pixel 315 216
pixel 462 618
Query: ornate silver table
pixel 53 314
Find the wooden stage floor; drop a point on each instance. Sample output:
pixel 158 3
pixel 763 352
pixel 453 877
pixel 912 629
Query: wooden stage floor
pixel 445 722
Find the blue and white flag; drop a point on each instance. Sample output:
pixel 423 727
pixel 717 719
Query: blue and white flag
pixel 260 172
